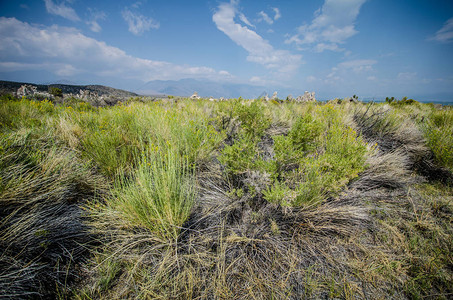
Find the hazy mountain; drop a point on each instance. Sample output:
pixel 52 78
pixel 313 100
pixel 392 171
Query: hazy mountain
pixel 61 81
pixel 205 88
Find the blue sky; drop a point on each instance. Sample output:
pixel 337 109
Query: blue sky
pixel 334 47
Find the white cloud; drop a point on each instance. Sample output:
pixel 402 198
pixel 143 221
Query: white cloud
pixel 358 65
pixel 138 23
pixel 61 10
pixel 244 19
pixel 225 74
pixel 264 17
pixel 311 79
pixel 256 80
pixel 277 13
pixel 349 69
pixel 259 50
pixel 445 34
pixel 332 47
pixel 136 5
pixel 333 24
pixel 65 51
pixel 94 26
pixel 95 17
pixel 407 76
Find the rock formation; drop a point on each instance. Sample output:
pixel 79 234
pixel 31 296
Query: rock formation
pixel 26 91
pixel 87 95
pixel 274 96
pixel 31 91
pixel 306 97
pixel 195 96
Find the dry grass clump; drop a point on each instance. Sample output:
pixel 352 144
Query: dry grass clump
pixel 42 232
pixel 391 130
pixel 421 133
pixel 408 248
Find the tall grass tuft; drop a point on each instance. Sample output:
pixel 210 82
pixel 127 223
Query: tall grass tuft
pixel 439 134
pixel 160 195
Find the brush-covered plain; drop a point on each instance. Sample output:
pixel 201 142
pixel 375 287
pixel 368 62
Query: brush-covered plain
pixel 241 199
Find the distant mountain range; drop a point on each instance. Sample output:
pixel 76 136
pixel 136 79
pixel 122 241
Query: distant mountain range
pixel 207 88
pixel 204 88
pixel 9 87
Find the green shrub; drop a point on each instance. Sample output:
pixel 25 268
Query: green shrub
pixel 25 113
pixel 403 101
pixel 254 120
pixel 305 133
pixel 7 98
pixel 239 157
pixel 284 152
pixel 317 158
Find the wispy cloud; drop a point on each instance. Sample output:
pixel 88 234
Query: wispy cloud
pixel 445 34
pixel 259 50
pixel 61 10
pixel 277 13
pixel 265 17
pixel 137 22
pixel 358 65
pixel 347 69
pixel 333 25
pixel 94 18
pixel 311 79
pixel 244 19
pixel 66 51
pixel 405 76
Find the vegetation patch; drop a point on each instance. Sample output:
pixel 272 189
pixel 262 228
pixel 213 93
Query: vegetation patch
pixel 241 199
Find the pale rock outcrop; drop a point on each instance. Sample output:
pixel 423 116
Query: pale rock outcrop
pixel 306 97
pixel 274 96
pixel 353 99
pixel 26 91
pixel 31 91
pixel 195 96
pixel 87 95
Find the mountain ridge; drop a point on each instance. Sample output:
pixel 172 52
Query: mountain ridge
pixel 10 87
pixel 204 87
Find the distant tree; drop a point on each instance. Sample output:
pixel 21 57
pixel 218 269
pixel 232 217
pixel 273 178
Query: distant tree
pixel 390 100
pixel 56 92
